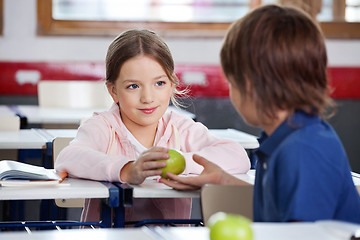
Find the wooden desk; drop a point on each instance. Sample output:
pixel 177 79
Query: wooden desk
pixel 329 230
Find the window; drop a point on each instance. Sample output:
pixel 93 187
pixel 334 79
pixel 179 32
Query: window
pixel 338 18
pixel 1 17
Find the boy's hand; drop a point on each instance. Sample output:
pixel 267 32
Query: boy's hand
pixel 145 166
pixel 212 174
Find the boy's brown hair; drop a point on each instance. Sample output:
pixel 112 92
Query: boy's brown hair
pixel 136 42
pixel 280 53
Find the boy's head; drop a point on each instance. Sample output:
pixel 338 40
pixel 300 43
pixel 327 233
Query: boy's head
pixel 136 42
pixel 279 53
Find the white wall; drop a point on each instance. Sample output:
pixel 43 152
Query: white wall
pixel 20 43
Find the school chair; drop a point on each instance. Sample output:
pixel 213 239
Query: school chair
pixel 9 123
pixel 59 144
pixel 74 94
pixel 235 199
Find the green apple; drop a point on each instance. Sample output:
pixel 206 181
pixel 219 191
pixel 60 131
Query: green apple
pixel 174 164
pixel 225 226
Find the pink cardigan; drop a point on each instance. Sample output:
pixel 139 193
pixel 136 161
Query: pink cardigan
pixel 101 148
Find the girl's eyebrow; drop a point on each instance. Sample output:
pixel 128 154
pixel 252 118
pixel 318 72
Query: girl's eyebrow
pixel 137 81
pixel 130 81
pixel 161 76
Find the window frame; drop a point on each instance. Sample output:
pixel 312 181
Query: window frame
pixel 46 25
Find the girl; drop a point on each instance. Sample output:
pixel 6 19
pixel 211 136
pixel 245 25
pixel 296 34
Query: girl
pixel 275 61
pixel 123 143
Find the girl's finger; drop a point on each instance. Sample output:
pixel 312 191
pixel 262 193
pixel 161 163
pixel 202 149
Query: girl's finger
pixel 150 156
pixel 153 165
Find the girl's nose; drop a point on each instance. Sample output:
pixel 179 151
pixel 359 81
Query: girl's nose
pixel 146 95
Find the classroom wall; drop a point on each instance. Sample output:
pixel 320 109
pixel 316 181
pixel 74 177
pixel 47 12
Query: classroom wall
pixel 20 43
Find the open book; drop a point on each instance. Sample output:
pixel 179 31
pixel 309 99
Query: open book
pixel 13 173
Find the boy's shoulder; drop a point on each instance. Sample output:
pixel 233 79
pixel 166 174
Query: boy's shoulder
pixel 316 135
pixel 316 144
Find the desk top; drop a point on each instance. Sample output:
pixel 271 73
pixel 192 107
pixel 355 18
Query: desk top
pixel 22 139
pixel 69 188
pixel 45 115
pixel 41 115
pixel 329 230
pixel 151 188
pixel 5 110
pixel 37 138
pixel 34 138
pixel 246 140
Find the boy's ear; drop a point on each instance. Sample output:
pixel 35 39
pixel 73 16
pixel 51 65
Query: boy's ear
pixel 249 89
pixel 112 90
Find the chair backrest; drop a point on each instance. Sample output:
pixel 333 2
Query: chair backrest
pixel 74 94
pixel 59 144
pixel 9 123
pixel 236 199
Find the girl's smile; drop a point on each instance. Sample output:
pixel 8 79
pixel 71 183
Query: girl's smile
pixel 148 110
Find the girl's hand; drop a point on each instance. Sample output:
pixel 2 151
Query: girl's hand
pixel 212 174
pixel 145 166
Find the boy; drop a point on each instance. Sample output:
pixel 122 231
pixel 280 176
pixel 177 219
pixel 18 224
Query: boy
pixel 275 61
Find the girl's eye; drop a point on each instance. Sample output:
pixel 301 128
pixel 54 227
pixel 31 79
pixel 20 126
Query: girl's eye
pixel 132 86
pixel 160 83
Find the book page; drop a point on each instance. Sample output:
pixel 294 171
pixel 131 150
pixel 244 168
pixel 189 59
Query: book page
pixel 16 170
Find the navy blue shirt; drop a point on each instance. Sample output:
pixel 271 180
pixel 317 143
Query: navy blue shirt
pixel 303 174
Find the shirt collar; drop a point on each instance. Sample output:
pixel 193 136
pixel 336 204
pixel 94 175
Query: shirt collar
pixel 299 119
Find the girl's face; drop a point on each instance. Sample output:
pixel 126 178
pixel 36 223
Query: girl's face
pixel 142 91
pixel 245 106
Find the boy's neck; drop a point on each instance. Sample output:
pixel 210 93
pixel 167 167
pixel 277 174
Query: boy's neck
pixel 272 124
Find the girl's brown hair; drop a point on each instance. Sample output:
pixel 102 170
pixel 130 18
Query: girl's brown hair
pixel 280 53
pixel 137 42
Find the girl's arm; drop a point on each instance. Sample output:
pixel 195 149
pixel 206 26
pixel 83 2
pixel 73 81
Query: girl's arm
pixel 86 156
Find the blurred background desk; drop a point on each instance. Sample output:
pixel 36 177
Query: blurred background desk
pixel 65 116
pixel 5 110
pixel 22 139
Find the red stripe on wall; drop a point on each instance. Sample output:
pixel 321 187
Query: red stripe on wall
pixel 20 78
pixel 345 82
pixel 17 78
